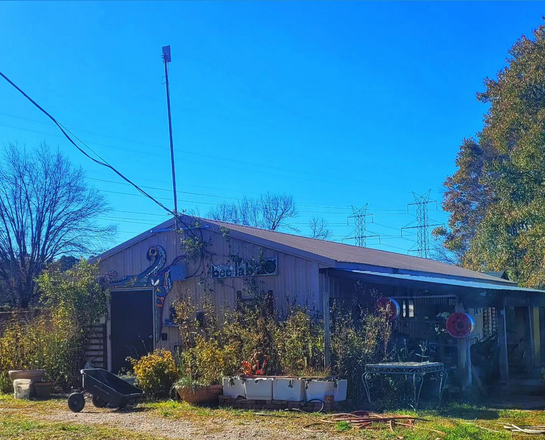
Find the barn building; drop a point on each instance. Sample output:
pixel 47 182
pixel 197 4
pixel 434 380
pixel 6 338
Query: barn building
pixel 225 261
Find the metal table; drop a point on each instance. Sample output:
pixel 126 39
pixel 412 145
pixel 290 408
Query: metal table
pixel 417 370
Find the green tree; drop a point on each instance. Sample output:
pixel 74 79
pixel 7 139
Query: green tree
pixel 496 198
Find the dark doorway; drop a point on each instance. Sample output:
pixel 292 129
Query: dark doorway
pixel 131 315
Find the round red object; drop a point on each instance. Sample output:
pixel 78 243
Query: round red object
pixel 390 306
pixel 460 325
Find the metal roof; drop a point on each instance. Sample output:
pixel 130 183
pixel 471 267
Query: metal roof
pixel 345 253
pixel 444 281
pixel 331 254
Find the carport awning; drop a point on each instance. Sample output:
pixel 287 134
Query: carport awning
pixel 480 285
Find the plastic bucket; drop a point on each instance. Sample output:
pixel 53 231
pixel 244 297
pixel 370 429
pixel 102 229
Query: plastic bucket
pixel 21 388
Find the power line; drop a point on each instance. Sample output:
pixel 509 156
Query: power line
pixel 209 195
pixel 164 189
pixel 99 162
pixel 153 154
pixel 244 163
pixel 377 211
pixel 360 237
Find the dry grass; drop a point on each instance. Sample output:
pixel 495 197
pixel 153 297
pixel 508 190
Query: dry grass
pixel 25 427
pixel 456 421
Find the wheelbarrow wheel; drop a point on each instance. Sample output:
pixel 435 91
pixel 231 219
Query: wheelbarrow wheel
pixel 76 402
pixel 99 403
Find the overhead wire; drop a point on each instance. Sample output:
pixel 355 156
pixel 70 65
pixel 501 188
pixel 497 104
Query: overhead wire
pixel 268 167
pixel 99 162
pixel 346 208
pixel 378 211
pixel 139 188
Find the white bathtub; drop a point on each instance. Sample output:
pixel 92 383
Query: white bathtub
pixel 290 389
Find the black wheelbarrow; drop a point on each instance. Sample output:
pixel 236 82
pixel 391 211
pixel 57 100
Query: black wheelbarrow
pixel 107 390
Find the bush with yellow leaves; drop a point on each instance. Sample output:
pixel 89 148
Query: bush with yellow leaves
pixel 155 372
pixel 53 338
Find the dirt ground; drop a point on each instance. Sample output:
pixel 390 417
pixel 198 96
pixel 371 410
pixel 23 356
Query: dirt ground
pixel 145 421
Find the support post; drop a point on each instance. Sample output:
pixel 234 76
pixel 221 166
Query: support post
pixel 327 339
pixel 464 355
pixel 541 329
pixel 502 344
pixel 531 338
pixel 537 336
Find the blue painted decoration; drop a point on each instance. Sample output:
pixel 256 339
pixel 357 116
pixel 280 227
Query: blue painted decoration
pixel 154 276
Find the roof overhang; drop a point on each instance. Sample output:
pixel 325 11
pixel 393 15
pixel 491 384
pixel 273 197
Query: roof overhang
pixel 468 290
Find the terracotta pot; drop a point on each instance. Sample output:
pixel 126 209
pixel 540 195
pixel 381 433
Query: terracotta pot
pixel 43 389
pixel 34 375
pixel 198 395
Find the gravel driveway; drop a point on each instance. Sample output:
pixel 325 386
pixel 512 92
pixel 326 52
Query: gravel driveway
pixel 139 420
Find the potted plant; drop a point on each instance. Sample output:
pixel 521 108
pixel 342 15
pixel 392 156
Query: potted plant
pixel 26 374
pixel 197 393
pixel 42 389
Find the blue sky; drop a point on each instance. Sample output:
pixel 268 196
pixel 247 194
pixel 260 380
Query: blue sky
pixel 336 103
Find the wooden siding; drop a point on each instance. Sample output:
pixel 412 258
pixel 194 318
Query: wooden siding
pixel 297 281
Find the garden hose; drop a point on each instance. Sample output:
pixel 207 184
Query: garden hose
pixel 303 404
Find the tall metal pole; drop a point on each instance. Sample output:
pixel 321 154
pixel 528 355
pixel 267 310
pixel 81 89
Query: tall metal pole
pixel 360 217
pixel 422 223
pixel 167 59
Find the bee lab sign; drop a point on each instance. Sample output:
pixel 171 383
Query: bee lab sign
pixel 265 267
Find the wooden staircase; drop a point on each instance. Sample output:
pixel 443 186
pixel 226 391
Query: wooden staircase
pixel 95 350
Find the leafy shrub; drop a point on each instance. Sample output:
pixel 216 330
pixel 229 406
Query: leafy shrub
pixel 6 385
pixel 55 339
pixel 210 351
pixel 155 372
pixel 46 342
pixel 293 346
pixel 357 338
pixel 208 361
pixel 300 344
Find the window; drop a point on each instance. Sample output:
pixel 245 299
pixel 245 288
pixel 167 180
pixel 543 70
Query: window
pixel 407 308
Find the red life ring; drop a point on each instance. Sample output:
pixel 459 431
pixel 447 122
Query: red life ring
pixel 460 325
pixel 390 306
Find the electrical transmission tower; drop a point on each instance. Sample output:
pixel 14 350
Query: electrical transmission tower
pixel 422 223
pixel 360 225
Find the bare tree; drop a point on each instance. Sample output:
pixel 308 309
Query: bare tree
pixel 319 228
pixel 440 253
pixel 269 211
pixel 277 210
pixel 46 210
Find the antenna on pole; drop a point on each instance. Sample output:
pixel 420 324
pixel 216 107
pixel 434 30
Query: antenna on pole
pixel 166 60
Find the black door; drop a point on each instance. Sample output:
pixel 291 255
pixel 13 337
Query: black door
pixel 131 315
